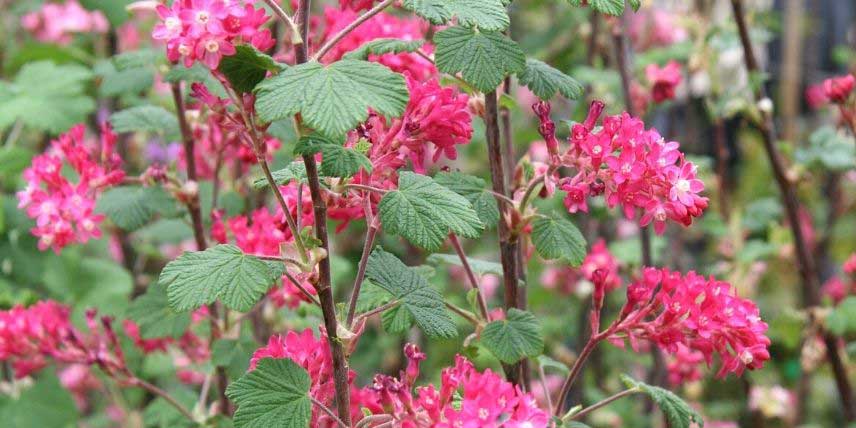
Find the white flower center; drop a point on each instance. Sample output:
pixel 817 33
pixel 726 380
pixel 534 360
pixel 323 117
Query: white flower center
pixel 172 23
pixel 202 17
pixel 212 46
pixel 746 357
pixel 597 150
pixel 683 185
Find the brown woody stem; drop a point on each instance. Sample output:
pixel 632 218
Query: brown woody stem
pixel 805 260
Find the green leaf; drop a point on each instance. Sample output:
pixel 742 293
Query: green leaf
pixel 558 238
pixel 233 354
pixel 274 395
pixel 153 315
pixel 336 161
pixel 383 46
pixel 483 58
pixel 484 14
pixel 547 362
pixel 479 267
pixel 545 81
pixel 609 7
pixel 145 118
pixel 141 58
pixel 635 4
pixel 517 336
pixel 46 96
pixel 829 149
pixel 475 190
pixel 114 82
pixel 678 413
pixel 842 320
pixel 295 171
pixel 418 299
pixel 131 208
pixel 335 98
pixel 201 277
pixel 424 212
pixel 247 67
pixel 44 405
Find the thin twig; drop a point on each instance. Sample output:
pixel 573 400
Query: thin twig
pixel 351 27
pixel 361 271
pixel 469 316
pixel 604 402
pixel 474 282
pixel 366 188
pixel 300 287
pixel 296 39
pixel 189 154
pixel 379 309
pixel 327 410
pixel 543 378
pixel 135 381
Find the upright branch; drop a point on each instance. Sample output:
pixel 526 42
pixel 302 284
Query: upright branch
pixel 196 220
pixel 508 243
pixel 188 142
pixel 805 261
pixel 324 283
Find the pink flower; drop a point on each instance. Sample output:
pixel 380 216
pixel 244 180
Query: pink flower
pixel 838 89
pixel 815 96
pixel 693 312
pixel 382 25
pixel 64 211
pixel 58 23
pixel 663 80
pixel 208 30
pixel 643 172
pixel 466 398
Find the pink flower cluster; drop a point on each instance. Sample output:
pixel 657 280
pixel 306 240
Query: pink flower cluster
pixel 653 27
pixel 664 80
pixel 207 30
pixel 314 356
pixel 63 210
pixel 58 23
pixel 683 314
pixel 467 398
pixel 632 167
pixel 835 89
pixel 435 116
pixel 838 289
pixel 190 348
pixel 221 134
pixel 382 25
pixel 599 259
pixel 264 233
pixel 30 336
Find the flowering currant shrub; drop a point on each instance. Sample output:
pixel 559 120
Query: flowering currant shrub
pixel 411 214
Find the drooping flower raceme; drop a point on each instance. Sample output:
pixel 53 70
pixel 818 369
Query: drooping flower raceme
pixel 686 313
pixel 64 210
pixel 207 30
pixel 29 337
pixel 466 398
pixel 664 80
pixel 633 168
pixel 435 116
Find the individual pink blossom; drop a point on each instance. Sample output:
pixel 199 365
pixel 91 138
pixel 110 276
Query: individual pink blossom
pixel 683 365
pixel 79 380
pixel 59 22
pixel 838 89
pixel 849 266
pixel 64 210
pixel 382 25
pixel 815 96
pixel 207 30
pixel 663 80
pixel 599 260
pixel 701 314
